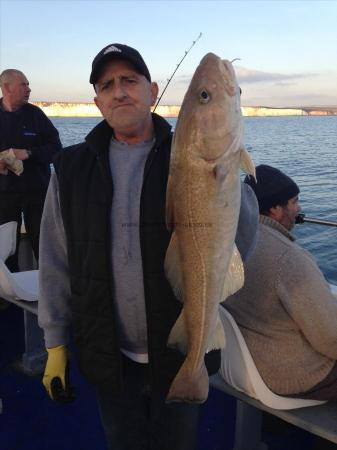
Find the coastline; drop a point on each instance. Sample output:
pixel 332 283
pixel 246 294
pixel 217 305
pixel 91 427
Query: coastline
pixel 68 109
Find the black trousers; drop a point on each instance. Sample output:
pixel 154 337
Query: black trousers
pixel 139 420
pixel 12 206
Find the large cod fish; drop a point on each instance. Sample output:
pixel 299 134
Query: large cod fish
pixel 202 262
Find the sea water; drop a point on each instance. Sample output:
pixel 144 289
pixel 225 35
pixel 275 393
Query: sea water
pixel 304 147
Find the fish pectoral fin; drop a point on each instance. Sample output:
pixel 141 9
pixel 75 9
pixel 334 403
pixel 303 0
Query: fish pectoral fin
pixel 246 163
pixel 178 335
pixel 235 276
pixel 218 339
pixel 173 269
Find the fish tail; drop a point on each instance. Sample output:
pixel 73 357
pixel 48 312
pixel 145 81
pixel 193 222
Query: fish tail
pixel 173 269
pixel 189 386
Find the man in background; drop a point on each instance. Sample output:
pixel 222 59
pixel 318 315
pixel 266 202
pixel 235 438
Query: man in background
pixel 27 133
pixel 286 311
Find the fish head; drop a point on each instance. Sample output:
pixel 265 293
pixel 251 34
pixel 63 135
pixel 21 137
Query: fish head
pixel 210 116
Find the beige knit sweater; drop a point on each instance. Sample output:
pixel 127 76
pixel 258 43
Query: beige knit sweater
pixel 286 313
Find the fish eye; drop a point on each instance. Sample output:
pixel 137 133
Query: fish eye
pixel 204 97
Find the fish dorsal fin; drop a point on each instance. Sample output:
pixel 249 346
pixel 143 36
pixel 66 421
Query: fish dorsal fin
pixel 169 205
pixel 178 335
pixel 246 163
pixel 173 269
pixel 235 275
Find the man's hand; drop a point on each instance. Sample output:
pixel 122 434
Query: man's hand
pixel 21 153
pixel 55 378
pixel 14 164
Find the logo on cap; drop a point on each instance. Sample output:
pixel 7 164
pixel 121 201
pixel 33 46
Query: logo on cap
pixel 112 48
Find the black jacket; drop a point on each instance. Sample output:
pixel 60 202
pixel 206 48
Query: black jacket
pixel 28 128
pixel 86 193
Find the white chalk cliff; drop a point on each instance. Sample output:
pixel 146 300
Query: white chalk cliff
pixel 63 109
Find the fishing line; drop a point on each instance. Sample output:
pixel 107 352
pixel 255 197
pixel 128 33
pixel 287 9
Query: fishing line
pixel 182 59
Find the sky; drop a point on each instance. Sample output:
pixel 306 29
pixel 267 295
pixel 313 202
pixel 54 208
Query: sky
pixel 287 50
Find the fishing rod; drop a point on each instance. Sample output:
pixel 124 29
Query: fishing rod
pixel 182 59
pixel 301 219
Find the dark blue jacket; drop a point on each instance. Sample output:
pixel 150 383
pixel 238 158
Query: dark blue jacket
pixel 28 128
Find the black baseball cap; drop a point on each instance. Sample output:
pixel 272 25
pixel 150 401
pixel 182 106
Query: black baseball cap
pixel 118 51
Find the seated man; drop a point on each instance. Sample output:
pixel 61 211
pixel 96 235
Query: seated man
pixel 286 311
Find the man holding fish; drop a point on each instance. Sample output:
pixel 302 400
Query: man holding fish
pixel 104 239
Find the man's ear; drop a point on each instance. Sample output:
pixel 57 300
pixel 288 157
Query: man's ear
pixel 97 103
pixel 6 88
pixel 275 212
pixel 154 92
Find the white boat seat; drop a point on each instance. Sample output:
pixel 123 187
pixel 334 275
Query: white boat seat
pixel 18 285
pixel 7 239
pixel 239 370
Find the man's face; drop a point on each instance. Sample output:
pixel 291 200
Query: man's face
pixel 125 97
pixel 289 212
pixel 18 90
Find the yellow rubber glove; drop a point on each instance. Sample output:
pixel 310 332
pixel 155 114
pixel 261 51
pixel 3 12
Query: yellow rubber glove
pixel 55 368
